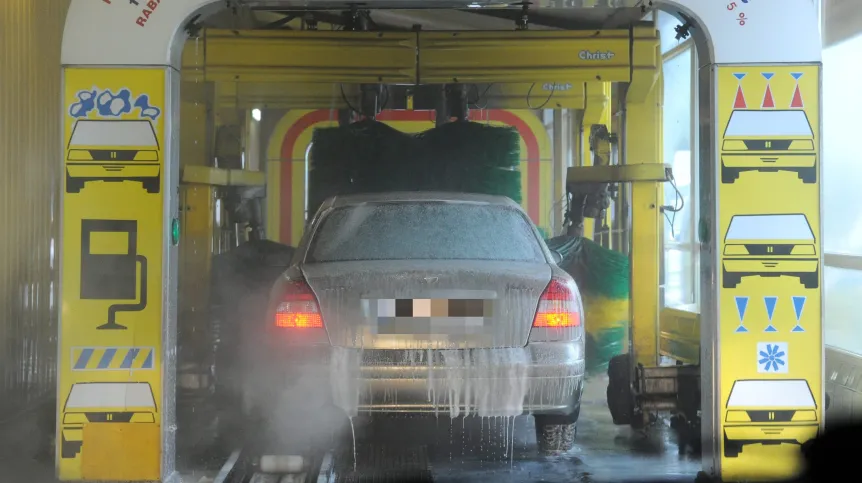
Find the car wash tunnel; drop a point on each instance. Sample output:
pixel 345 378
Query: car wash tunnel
pixel 278 241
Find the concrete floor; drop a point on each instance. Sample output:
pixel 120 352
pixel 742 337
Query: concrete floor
pixel 463 450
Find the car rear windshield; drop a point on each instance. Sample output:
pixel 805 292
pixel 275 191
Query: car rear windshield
pixel 792 227
pixel 88 133
pixel 780 124
pixel 425 231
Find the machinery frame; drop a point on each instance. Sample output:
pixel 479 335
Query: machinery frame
pixel 138 46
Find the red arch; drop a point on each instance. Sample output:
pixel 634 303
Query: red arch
pixel 496 115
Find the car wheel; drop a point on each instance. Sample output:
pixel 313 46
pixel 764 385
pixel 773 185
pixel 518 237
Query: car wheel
pixel 554 438
pixel 808 175
pixel 731 448
pixel 619 392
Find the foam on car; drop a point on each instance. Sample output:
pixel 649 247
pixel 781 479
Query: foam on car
pixel 489 382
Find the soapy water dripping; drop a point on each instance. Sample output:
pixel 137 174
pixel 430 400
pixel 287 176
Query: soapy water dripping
pixel 488 383
pixel 353 434
pixel 484 382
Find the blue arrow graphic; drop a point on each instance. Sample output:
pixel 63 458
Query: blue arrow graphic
pixel 796 75
pixel 798 307
pixel 767 75
pixel 741 306
pixel 770 303
pixel 739 75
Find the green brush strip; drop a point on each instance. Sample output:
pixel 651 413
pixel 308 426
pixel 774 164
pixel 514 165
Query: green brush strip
pixel 603 279
pixel 472 143
pixel 597 269
pixel 602 346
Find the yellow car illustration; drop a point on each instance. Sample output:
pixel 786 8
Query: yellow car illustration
pixel 769 411
pixel 103 402
pixel 113 150
pixel 770 246
pixel 779 140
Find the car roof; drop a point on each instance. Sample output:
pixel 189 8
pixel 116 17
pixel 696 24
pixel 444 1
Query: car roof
pixel 408 196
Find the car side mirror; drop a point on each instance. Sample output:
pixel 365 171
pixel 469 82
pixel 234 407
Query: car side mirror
pixel 557 256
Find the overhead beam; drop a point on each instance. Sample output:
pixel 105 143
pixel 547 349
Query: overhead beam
pixel 534 57
pixel 646 50
pixel 271 95
pixel 524 56
pixel 303 56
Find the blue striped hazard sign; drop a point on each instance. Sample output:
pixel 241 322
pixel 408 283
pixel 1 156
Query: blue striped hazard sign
pixel 112 358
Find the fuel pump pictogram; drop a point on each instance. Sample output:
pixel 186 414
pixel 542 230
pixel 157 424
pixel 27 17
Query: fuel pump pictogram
pixel 109 260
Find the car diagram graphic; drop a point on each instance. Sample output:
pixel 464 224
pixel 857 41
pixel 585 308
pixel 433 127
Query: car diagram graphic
pixel 770 246
pixel 132 154
pixel 104 402
pixel 769 412
pixel 768 141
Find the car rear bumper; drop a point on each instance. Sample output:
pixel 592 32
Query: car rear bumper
pixel 113 170
pixel 778 265
pixel 767 159
pixel 542 378
pixel 765 433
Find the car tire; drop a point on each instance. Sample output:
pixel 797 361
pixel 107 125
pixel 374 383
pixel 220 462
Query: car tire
pixel 554 438
pixel 808 175
pixel 810 280
pixel 152 185
pixel 730 280
pixel 73 185
pixel 619 392
pixel 731 448
pixel 729 175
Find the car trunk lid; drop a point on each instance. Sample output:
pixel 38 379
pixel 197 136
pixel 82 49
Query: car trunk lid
pixel 457 304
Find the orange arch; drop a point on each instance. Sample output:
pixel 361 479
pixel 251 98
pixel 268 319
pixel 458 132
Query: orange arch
pixel 286 167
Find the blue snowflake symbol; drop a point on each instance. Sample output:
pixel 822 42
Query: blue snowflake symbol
pixel 772 358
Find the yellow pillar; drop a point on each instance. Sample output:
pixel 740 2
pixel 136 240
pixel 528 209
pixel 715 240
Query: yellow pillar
pixel 113 249
pixel 643 122
pixel 769 247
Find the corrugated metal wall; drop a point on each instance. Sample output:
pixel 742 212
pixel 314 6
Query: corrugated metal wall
pixel 30 37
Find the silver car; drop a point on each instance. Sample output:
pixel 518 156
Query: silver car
pixel 442 303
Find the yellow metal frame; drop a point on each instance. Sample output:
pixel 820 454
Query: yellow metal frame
pixel 303 56
pixel 524 56
pixel 625 173
pixel 643 135
pixel 222 177
pixel 310 95
pixel 679 334
pixel 421 57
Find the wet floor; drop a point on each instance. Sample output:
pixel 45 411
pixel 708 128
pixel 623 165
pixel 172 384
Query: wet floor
pixel 464 450
pixel 502 450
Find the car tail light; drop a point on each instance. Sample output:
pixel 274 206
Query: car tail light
pixel 298 308
pixel 559 316
pixel 558 306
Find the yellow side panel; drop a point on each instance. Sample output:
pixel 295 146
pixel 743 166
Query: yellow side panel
pixel 137 445
pixel 111 262
pixel 769 223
